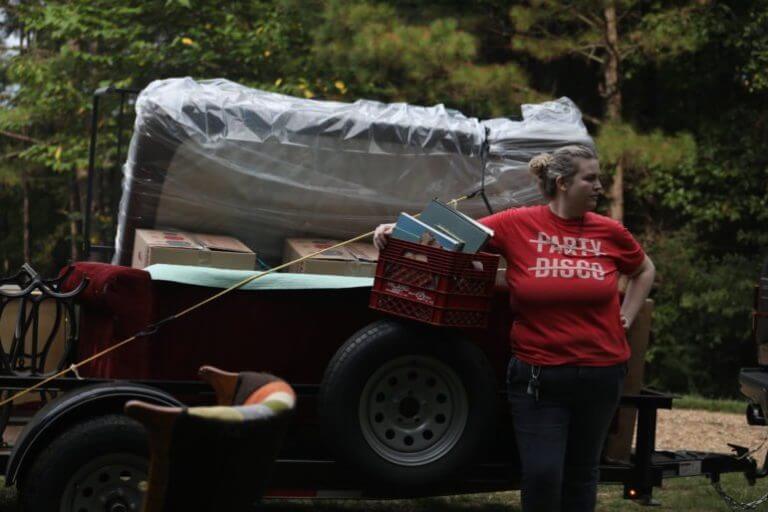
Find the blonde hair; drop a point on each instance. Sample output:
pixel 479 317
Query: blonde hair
pixel 547 167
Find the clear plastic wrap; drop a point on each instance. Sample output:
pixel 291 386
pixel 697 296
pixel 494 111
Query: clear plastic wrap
pixel 217 157
pixel 511 145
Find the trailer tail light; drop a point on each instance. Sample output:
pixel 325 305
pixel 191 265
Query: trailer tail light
pixel 640 494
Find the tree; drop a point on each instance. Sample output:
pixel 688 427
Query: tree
pixel 380 51
pixel 72 48
pixel 608 34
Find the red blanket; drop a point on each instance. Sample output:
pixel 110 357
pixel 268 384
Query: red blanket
pixel 292 333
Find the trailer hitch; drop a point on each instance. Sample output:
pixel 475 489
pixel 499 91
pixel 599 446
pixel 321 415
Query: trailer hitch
pixel 751 473
pixel 744 453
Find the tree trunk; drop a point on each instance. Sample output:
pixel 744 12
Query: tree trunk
pixel 25 216
pixel 616 206
pixel 4 226
pixel 25 246
pixel 74 215
pixel 612 95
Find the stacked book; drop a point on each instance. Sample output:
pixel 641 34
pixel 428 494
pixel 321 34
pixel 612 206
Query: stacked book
pixel 442 226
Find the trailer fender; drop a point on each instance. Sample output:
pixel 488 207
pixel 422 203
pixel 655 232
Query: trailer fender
pixel 71 407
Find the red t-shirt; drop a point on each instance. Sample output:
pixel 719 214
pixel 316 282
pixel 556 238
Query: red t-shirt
pixel 563 281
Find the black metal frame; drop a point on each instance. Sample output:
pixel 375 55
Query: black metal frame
pixel 104 91
pixel 27 352
pixel 33 291
pixel 650 467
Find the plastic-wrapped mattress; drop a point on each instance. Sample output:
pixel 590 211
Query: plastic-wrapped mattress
pixel 216 157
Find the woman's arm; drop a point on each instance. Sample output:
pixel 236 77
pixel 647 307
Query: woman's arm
pixel 637 291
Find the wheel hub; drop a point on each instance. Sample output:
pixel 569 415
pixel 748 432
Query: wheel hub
pixel 413 410
pixel 409 407
pixel 111 483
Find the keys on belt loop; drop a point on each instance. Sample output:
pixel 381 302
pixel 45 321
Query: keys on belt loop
pixel 533 382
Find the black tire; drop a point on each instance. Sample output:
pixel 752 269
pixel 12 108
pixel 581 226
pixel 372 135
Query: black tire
pixel 384 386
pixel 103 457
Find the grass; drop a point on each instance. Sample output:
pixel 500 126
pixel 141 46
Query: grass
pixel 683 494
pixel 710 404
pixel 7 498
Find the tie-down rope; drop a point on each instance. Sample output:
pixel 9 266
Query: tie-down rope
pixel 153 328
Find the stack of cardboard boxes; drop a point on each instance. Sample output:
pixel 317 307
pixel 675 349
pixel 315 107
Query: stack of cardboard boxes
pixel 184 248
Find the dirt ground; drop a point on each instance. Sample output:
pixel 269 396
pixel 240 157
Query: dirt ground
pixel 682 429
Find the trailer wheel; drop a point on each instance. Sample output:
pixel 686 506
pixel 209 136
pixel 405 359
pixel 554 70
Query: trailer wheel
pixel 98 464
pixel 407 405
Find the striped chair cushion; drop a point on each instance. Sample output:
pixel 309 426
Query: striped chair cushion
pixel 268 396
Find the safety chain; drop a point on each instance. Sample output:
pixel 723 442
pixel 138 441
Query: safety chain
pixel 739 506
pixel 734 504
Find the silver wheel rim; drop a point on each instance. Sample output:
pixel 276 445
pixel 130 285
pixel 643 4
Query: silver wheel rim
pixel 111 483
pixel 413 410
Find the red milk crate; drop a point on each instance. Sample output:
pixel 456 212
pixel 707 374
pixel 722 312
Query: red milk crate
pixel 435 286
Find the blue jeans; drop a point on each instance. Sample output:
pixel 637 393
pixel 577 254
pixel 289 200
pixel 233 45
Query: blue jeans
pixel 561 434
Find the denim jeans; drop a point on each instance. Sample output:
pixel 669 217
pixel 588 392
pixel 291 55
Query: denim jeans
pixel 561 434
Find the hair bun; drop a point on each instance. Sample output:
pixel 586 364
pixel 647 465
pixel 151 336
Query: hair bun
pixel 539 164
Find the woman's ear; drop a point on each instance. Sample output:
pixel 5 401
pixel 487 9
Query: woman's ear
pixel 560 182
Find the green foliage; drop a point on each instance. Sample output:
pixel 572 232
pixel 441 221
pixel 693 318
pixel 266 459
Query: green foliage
pixel 75 47
pixel 549 29
pixel 655 150
pixel 379 55
pixel 670 32
pixel 702 317
pixel 751 39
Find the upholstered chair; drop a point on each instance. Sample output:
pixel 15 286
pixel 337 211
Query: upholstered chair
pixel 218 458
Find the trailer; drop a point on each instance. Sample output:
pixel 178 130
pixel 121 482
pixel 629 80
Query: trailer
pixel 445 429
pixel 74 443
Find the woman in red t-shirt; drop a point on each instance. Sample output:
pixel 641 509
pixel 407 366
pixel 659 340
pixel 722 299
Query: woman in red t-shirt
pixel 568 337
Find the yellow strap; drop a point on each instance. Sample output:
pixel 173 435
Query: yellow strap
pixel 74 367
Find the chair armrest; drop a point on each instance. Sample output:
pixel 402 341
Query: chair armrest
pixel 223 383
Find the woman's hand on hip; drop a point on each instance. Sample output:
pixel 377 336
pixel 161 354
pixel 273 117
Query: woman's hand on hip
pixel 625 323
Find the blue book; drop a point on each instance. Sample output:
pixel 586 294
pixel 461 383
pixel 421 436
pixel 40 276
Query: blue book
pixel 457 225
pixel 411 229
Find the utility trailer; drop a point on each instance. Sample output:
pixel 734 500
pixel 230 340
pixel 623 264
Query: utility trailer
pixel 72 444
pixel 472 452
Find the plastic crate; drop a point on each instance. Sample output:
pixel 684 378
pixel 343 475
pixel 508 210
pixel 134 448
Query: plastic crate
pixel 434 286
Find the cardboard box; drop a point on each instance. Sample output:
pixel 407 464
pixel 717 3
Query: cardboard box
pixel 181 248
pixel 355 259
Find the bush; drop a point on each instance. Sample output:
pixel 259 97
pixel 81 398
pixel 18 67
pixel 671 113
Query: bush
pixel 702 322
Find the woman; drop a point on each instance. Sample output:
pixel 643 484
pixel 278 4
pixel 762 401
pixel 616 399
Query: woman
pixel 568 338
